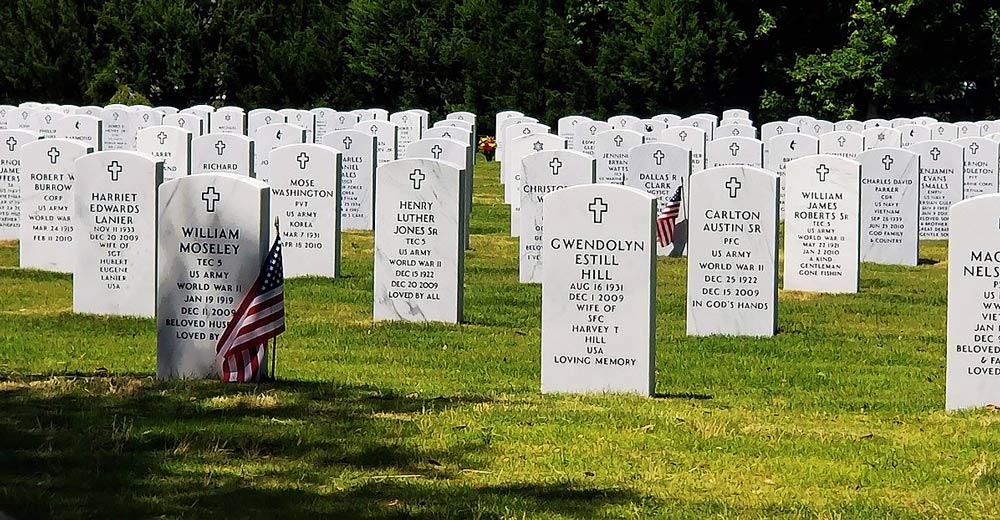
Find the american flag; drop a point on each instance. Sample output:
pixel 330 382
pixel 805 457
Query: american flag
pixel 260 317
pixel 667 218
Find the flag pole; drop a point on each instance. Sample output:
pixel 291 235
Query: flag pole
pixel 274 341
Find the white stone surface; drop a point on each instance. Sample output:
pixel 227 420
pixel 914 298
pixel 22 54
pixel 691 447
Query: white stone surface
pixel 661 169
pixel 419 256
pixel 212 237
pixel 11 142
pixel 973 360
pixel 544 173
pixel 982 165
pixel 822 225
pixel 270 137
pixel 169 144
pixel 223 153
pixel 732 275
pixel 942 184
pixel 734 151
pixel 695 140
pixel 598 291
pixel 357 185
pixel 611 151
pixel 585 137
pixel 882 137
pixel 114 233
pixel 48 173
pixel 305 198
pixel 890 197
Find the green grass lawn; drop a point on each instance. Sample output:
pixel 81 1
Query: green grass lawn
pixel 839 416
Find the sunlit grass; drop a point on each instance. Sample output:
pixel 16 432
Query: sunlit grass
pixel 839 416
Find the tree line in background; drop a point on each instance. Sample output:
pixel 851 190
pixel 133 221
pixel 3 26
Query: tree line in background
pixel 835 59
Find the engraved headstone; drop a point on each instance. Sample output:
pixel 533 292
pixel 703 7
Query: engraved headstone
pixel 87 129
pixel 545 172
pixel 419 257
pixel 223 153
pixel 822 225
pixel 611 151
pixel 212 237
pixel 189 122
pixel 114 235
pixel 882 137
pixel 942 184
pixel 566 128
pixel 982 165
pixel 169 144
pixel 732 277
pixel 357 177
pixel 386 138
pixel 890 196
pixel 11 142
pixel 783 149
pixel 268 138
pixel 662 170
pixel 48 173
pixel 598 290
pixel 690 138
pixel 973 268
pixel 119 128
pixel 734 151
pixel 305 197
pixel 842 143
pixel 585 136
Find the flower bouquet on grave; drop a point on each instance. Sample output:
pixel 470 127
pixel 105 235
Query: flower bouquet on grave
pixel 488 146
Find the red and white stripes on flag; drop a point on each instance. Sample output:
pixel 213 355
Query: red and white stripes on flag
pixel 261 316
pixel 667 219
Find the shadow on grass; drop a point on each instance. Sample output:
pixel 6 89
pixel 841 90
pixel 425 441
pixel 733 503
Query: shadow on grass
pixel 927 261
pixel 125 447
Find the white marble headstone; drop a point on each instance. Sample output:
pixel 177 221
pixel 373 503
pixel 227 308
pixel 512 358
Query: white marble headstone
pixel 212 237
pixel 270 137
pixel 119 127
pixel 585 136
pixel 822 225
pixel 305 198
pixel 732 275
pixel 734 151
pixel 87 129
pixel 611 151
pixel 169 144
pixel 48 173
pixel 11 142
pixel 357 177
pixel 882 137
pixel 410 129
pixel 783 149
pixel 598 290
pixel 890 196
pixel 942 184
pixel 262 117
pixel 662 170
pixel 842 143
pixel 228 121
pixel 973 302
pixel 189 122
pixel 419 256
pixel 386 138
pixel 690 138
pixel 545 172
pixel 566 127
pixel 982 165
pixel 114 235
pixel 912 134
pixel 223 153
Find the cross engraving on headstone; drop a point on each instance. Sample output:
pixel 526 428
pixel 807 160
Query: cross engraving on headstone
pixel 735 148
pixel 556 165
pixel 210 196
pixel 935 153
pixel 417 177
pixel 683 135
pixel 53 154
pixel 822 171
pixel 347 142
pixel 342 119
pixel 841 141
pixel 405 118
pixel 181 122
pixel 733 185
pixel 114 169
pixel 735 132
pixel 220 146
pixel 48 119
pixel 974 147
pixel 658 157
pixel 162 136
pixel 11 143
pixel 618 140
pixel 780 130
pixel 598 208
pixel 267 120
pixel 374 129
pixel 593 129
pixel 303 160
pixel 538 146
pixel 436 151
pixel 887 162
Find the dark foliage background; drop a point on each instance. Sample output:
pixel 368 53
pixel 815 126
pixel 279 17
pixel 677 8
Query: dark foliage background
pixel 833 59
